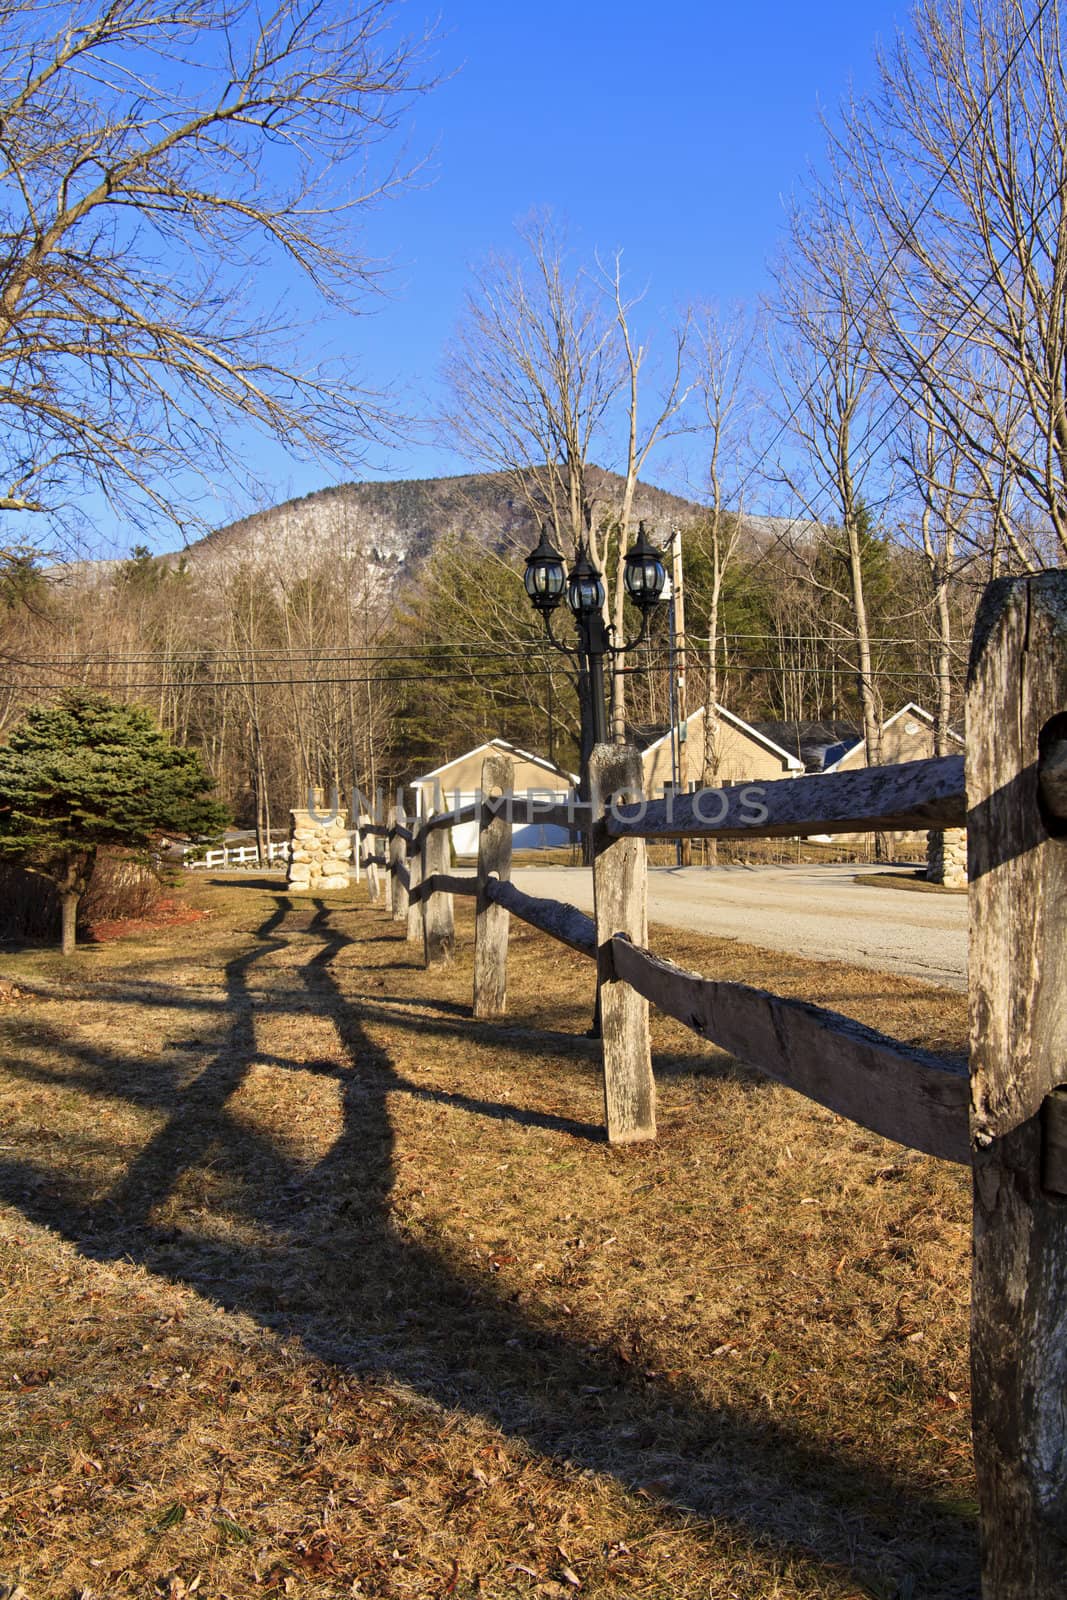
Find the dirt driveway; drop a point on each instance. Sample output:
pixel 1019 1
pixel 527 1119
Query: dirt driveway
pixel 817 911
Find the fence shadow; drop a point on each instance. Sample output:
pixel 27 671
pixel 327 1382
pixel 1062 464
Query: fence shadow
pixel 339 1275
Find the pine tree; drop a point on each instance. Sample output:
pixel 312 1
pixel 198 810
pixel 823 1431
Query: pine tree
pixel 88 772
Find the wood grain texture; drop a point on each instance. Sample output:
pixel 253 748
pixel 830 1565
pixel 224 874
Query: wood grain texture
pixel 916 1098
pixel 438 923
pixel 619 898
pixel 491 919
pixel 911 794
pixel 563 922
pixel 1018 978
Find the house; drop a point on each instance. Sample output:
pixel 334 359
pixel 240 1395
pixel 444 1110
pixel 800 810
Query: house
pixel 745 755
pixel 908 735
pixel 456 783
pixel 816 744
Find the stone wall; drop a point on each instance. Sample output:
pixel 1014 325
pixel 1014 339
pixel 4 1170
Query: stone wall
pixel 946 857
pixel 319 852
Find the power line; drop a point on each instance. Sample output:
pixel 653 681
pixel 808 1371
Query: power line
pixel 202 685
pixel 108 663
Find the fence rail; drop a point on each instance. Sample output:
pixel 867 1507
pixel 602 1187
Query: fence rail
pixel 236 856
pixel 904 1094
pixel 897 799
pixel 565 923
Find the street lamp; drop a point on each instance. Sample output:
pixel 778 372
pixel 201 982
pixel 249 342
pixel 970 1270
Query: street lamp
pixel 547 584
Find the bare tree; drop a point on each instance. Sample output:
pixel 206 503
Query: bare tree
pixel 726 392
pixel 836 417
pixel 531 372
pixel 952 179
pixel 144 200
pixel 641 439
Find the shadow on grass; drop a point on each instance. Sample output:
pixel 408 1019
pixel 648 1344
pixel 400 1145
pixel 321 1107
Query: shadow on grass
pixel 339 1275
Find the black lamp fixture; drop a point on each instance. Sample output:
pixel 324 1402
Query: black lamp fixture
pixel 546 581
pixel 545 575
pixel 585 586
pixel 643 572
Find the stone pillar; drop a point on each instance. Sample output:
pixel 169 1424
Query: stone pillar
pixel 946 857
pixel 319 851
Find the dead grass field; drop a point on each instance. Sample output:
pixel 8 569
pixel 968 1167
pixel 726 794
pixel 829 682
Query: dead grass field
pixel 314 1286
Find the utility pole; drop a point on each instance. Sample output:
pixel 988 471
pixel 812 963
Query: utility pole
pixel 681 701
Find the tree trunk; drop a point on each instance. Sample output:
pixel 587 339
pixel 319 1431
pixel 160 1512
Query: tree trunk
pixel 872 727
pixel 78 869
pixel 69 899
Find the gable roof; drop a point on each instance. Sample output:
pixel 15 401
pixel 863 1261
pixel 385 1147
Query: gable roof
pixel 506 749
pixel 909 708
pixel 792 762
pixel 917 711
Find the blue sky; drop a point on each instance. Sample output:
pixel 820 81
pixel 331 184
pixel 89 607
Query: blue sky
pixel 671 130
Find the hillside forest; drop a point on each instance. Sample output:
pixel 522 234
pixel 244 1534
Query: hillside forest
pixel 314 671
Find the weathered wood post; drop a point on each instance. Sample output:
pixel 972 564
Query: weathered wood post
pixel 385 845
pixel 619 895
pixel 398 855
pixel 491 921
pixel 415 857
pixel 438 928
pixel 1017 847
pixel 372 869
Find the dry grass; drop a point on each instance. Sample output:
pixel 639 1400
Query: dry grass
pixel 915 880
pixel 314 1286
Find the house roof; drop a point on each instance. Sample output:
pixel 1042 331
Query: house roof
pixel 909 708
pixel 747 728
pixel 917 711
pixel 506 749
pixel 811 742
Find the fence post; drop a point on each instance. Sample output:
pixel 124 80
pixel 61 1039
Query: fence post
pixel 415 908
pixel 491 921
pixel 1017 846
pixel 369 862
pixel 398 853
pixel 619 896
pixel 384 843
pixel 438 929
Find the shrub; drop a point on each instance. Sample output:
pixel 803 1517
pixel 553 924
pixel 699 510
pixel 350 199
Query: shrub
pixel 121 886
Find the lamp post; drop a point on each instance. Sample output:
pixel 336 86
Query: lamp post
pixel 548 584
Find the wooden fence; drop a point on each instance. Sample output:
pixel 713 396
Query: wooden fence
pixel 224 857
pixel 1005 1116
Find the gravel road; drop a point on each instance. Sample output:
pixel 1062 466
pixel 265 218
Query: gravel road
pixel 818 911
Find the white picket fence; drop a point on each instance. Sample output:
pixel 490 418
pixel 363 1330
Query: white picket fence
pixel 245 855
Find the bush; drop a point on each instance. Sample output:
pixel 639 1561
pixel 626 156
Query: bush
pixel 121 886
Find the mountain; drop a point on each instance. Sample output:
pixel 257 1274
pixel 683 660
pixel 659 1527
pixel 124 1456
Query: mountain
pixel 396 524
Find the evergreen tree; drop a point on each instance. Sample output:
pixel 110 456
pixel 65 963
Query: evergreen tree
pixel 91 771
